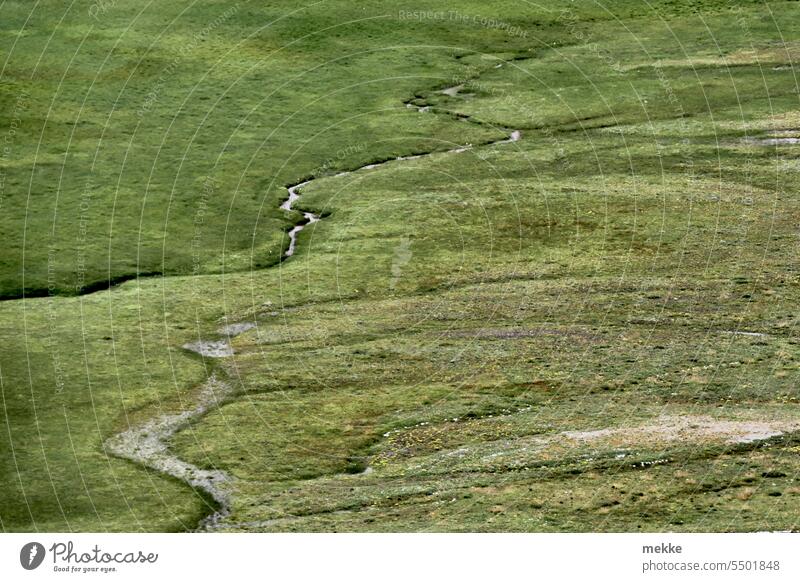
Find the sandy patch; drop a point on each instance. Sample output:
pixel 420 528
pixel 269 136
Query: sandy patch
pixel 689 429
pixel 211 348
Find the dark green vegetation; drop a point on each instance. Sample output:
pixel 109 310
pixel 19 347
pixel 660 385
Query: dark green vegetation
pixel 543 335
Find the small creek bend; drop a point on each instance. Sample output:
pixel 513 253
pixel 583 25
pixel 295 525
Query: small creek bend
pixel 148 444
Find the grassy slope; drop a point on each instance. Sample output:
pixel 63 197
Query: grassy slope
pixel 130 119
pixel 119 352
pixel 585 277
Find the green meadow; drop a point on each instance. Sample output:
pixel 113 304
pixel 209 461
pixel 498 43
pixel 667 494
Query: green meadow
pixel 590 328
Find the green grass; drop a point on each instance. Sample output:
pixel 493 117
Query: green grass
pixel 451 317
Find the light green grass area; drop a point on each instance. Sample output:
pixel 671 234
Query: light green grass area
pixel 588 329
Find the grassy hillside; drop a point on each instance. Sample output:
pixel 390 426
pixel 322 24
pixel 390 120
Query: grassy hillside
pixel 589 329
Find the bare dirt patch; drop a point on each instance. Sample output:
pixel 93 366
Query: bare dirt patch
pixel 689 429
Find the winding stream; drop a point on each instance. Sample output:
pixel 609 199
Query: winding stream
pixel 308 217
pixel 148 443
pixel 311 218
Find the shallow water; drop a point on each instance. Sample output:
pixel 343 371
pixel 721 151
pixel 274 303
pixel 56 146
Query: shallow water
pixel 310 218
pixel 146 444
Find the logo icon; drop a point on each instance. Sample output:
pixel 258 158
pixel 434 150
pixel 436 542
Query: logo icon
pixel 31 555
